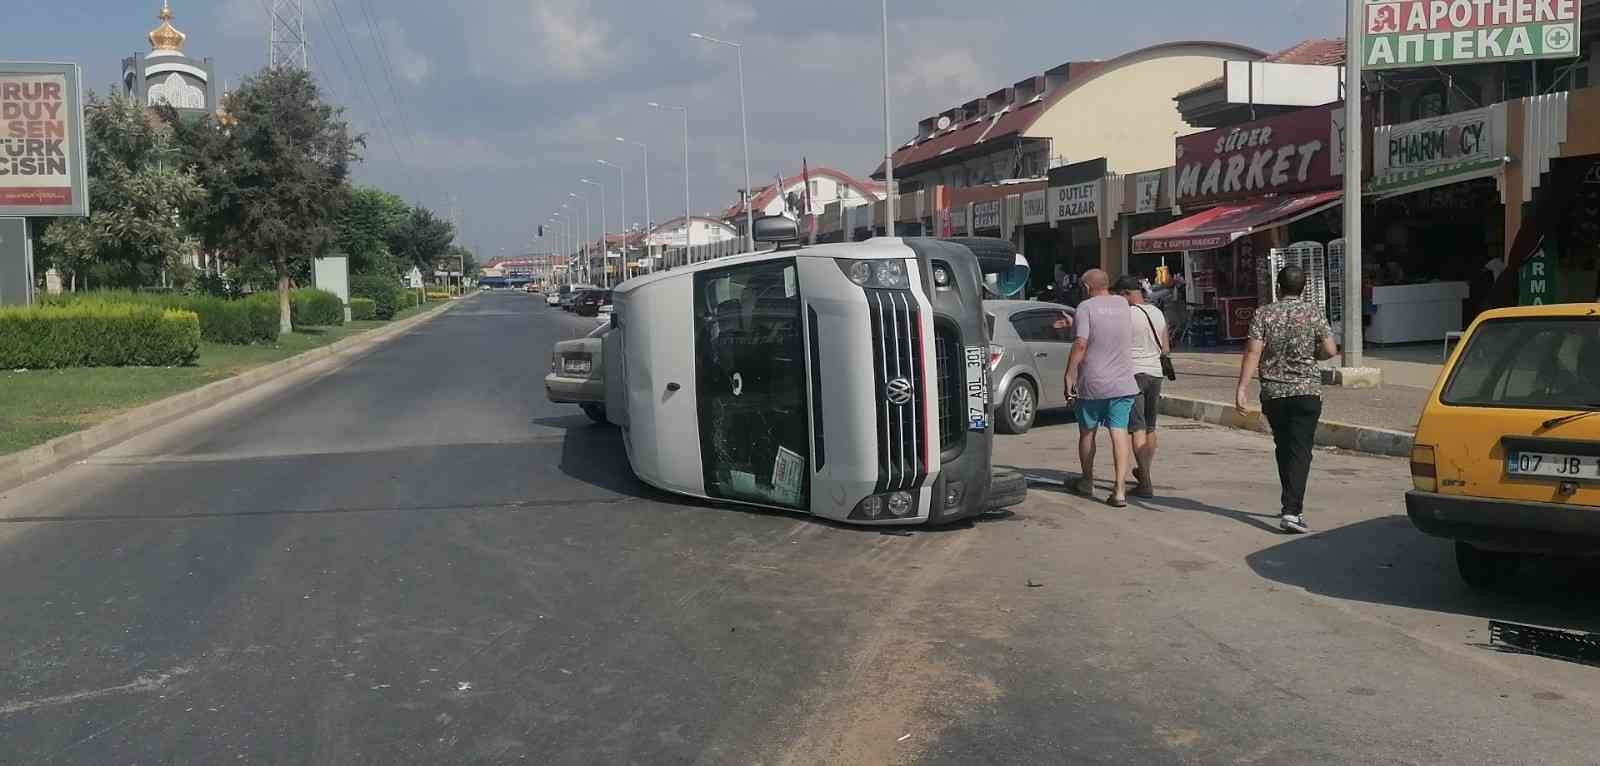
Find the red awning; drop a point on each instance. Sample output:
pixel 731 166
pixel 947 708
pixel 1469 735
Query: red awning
pixel 1221 225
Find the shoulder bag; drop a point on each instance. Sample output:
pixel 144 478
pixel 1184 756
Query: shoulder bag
pixel 1167 370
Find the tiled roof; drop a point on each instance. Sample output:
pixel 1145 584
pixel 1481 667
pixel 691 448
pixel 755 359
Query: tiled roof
pixel 1319 52
pixel 766 194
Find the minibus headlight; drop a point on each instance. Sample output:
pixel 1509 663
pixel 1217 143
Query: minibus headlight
pixel 901 504
pixel 871 507
pixel 884 274
pixel 859 272
pixel 891 274
pixel 941 276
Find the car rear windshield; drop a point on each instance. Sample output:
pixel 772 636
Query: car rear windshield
pixel 1549 364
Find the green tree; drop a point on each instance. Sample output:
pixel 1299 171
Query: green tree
pixel 276 169
pixel 369 219
pixel 421 239
pixel 141 196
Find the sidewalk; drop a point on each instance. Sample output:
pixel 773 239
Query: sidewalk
pixel 1378 420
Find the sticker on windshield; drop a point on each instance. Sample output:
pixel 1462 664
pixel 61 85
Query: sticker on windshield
pixel 788 469
pixel 977 389
pixel 791 287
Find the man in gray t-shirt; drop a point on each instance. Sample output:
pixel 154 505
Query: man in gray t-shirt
pixel 1100 376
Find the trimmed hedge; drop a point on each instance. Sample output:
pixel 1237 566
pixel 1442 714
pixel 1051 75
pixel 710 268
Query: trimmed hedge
pixel 387 294
pixel 363 309
pixel 231 322
pixel 438 295
pixel 309 307
pixel 97 335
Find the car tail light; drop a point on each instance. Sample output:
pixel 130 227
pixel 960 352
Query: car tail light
pixel 1424 469
pixel 996 353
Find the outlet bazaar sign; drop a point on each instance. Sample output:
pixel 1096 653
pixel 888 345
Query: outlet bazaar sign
pixel 1288 153
pixel 1413 33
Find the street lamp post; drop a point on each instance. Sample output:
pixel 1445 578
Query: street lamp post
pixel 687 239
pixel 744 129
pixel 648 256
pixel 888 134
pixel 588 224
pixel 622 205
pixel 605 247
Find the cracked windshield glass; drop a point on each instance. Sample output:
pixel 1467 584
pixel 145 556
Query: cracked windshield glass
pixel 744 382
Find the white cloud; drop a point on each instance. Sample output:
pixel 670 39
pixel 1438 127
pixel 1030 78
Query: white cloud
pixel 528 41
pixel 408 62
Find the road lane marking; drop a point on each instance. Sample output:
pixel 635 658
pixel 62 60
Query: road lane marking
pixel 141 685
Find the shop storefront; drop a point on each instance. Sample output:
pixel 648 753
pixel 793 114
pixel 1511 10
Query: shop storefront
pixel 1244 188
pixel 1075 201
pixel 1437 219
pixel 1148 202
pixel 1036 239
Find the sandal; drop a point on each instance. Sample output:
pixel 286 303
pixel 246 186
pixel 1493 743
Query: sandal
pixel 1117 502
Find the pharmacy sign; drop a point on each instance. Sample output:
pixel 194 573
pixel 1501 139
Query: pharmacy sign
pixel 1418 33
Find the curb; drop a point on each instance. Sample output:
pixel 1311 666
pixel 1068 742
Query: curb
pixel 1367 439
pixel 35 462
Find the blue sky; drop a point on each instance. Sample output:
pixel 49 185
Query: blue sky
pixel 499 106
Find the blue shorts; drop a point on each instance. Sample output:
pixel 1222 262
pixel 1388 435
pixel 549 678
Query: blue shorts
pixel 1111 413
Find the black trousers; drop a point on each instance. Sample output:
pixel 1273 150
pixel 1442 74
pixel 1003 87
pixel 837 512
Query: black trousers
pixel 1294 429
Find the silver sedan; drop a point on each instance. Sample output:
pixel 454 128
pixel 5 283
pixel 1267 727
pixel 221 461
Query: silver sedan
pixel 1031 341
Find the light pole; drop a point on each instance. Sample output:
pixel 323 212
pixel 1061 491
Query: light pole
pixel 744 129
pixel 1353 340
pixel 888 134
pixel 605 247
pixel 648 257
pixel 687 239
pixel 588 225
pixel 622 205
pixel 557 223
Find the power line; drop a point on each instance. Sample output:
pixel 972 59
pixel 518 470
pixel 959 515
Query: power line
pixel 381 44
pixel 366 81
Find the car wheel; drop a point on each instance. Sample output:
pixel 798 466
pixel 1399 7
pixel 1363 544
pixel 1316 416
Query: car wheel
pixel 1019 408
pixel 596 412
pixel 1484 570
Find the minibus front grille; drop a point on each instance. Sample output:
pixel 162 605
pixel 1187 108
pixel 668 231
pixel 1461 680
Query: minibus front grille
pixel 898 363
pixel 949 368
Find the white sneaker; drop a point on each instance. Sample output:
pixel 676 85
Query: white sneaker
pixel 1294 525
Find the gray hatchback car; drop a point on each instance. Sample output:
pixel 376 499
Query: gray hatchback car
pixel 1031 341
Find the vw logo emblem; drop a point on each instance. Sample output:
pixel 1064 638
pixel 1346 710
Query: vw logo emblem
pixel 898 392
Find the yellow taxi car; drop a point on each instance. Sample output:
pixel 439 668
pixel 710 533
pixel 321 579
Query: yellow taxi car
pixel 1507 455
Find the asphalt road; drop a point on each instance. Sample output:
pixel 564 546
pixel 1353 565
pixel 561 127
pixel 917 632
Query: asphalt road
pixel 416 559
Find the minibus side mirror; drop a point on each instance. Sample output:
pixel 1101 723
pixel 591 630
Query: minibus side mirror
pixel 776 230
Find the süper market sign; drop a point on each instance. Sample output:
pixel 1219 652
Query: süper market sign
pixel 1418 33
pixel 1277 155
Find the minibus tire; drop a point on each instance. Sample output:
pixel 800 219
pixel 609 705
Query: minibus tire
pixel 1007 487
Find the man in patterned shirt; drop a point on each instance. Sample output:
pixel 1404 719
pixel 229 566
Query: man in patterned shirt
pixel 1286 340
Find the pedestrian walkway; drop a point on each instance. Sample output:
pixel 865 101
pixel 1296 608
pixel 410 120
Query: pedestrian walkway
pixel 1409 373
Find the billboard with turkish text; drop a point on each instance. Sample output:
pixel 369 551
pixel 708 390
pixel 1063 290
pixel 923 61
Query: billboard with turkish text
pixel 42 164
